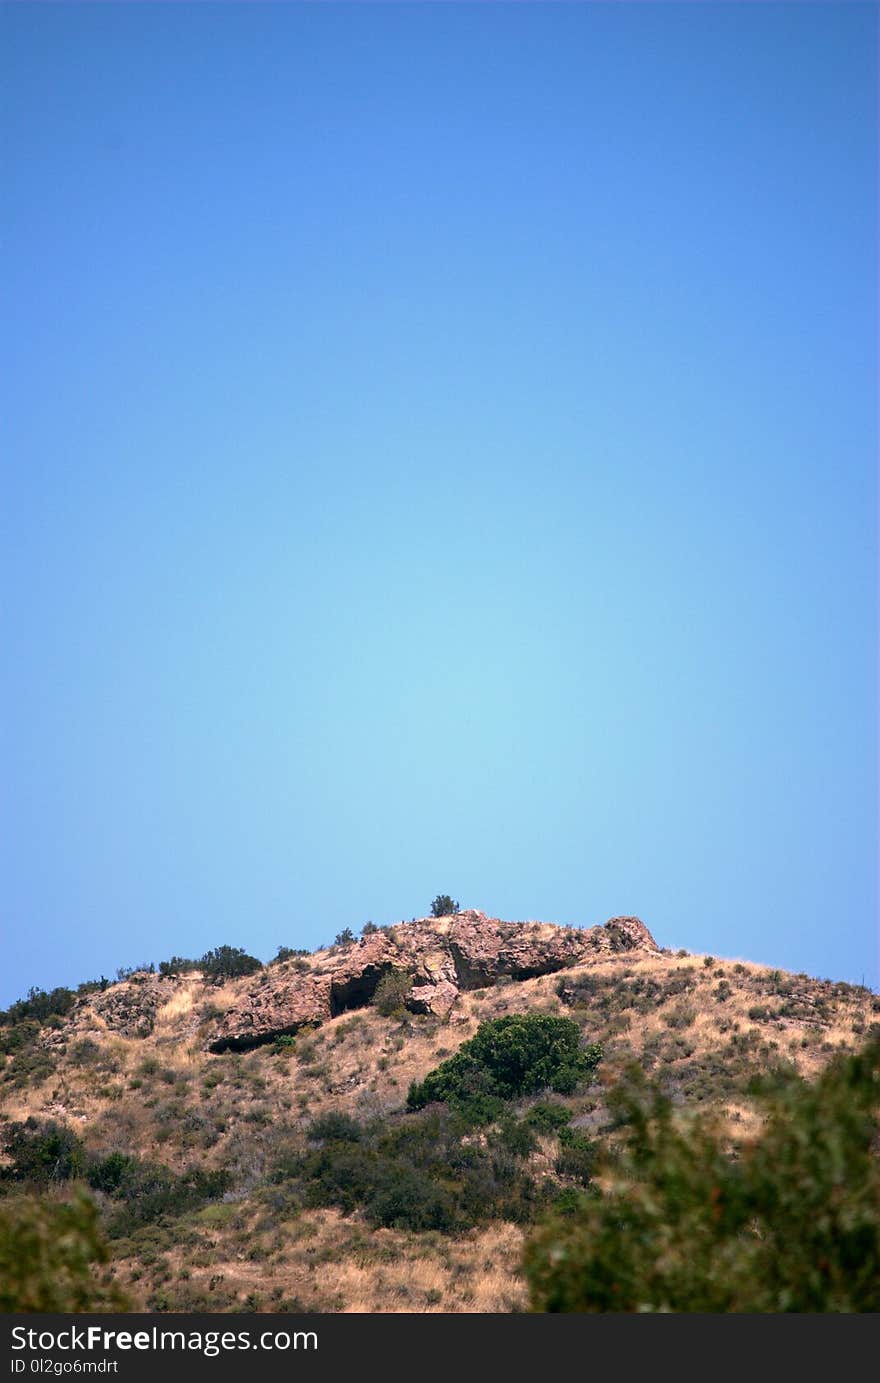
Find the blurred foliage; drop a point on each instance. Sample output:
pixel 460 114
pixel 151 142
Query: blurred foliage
pixel 790 1222
pixel 50 1257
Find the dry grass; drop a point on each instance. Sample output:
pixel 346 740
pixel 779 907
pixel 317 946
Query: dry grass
pixel 165 1098
pixel 323 1261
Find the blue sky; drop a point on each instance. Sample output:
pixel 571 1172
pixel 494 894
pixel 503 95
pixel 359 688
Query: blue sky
pixel 440 456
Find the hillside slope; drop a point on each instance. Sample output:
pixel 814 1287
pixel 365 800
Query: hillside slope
pixel 227 1080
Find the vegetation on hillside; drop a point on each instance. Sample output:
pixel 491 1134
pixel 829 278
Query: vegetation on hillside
pixel 391 1160
pixel 444 906
pixel 789 1222
pixel 507 1059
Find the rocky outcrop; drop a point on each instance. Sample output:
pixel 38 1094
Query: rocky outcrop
pixel 484 949
pixel 626 934
pixel 130 1007
pixel 432 998
pixel 277 1008
pixel 443 956
pixel 355 971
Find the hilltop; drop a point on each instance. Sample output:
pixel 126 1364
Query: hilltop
pixel 235 1133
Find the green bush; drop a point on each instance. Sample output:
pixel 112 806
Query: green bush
pixel 148 1193
pixel 789 1223
pixel 577 1156
pixel 39 1005
pixel 21 1035
pixel 228 963
pixel 178 965
pixel 420 1173
pixel 111 1174
pixel 443 906
pixel 43 1153
pixel 548 1117
pixel 391 992
pixel 287 953
pixel 508 1058
pixel 515 1136
pixel 334 1127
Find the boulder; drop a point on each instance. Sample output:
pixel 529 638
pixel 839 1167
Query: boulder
pixel 433 998
pixel 278 1008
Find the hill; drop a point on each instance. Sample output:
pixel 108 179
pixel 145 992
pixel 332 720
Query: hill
pixel 255 1142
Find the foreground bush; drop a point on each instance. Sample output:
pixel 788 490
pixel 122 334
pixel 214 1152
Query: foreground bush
pixel 506 1059
pixel 789 1223
pixel 50 1257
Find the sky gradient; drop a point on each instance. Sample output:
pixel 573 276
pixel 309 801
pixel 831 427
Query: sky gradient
pixel 439 456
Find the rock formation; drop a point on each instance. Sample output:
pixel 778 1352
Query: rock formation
pixel 442 956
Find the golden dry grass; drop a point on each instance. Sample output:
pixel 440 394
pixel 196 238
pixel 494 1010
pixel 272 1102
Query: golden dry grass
pixel 165 1098
pixel 324 1261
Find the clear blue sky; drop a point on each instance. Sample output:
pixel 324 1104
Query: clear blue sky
pixel 439 455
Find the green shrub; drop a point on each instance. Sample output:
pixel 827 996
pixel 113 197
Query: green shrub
pixel 508 1058
pixel 125 972
pixel 515 1136
pixel 228 963
pixel 43 1153
pixel 334 1127
pixel 111 1173
pixel 178 965
pixel 86 1052
pixel 287 953
pixel 443 906
pixel 417 1172
pixel 577 1156
pixel 148 1193
pixel 20 1036
pixel 548 1117
pixel 39 1006
pixel 391 992
pixel 791 1223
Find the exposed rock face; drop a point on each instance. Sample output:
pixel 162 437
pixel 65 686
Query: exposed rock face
pixel 281 1007
pixel 443 956
pixel 627 934
pixel 356 971
pixel 130 1007
pixel 433 998
pixel 484 949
